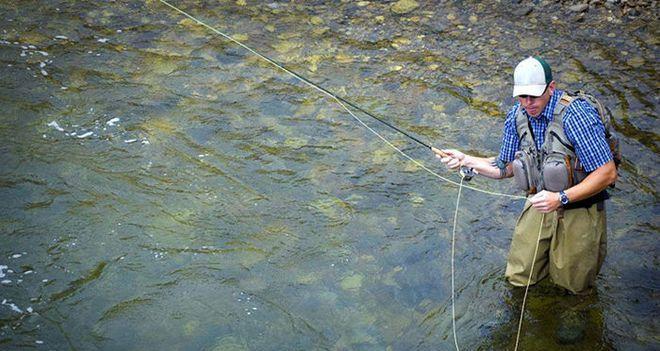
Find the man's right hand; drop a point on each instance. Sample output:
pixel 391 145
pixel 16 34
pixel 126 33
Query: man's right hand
pixel 450 157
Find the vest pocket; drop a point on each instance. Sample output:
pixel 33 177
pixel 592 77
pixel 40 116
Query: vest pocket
pixel 525 172
pixel 557 172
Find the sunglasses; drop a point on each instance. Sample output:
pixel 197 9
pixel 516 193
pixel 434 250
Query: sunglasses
pixel 524 97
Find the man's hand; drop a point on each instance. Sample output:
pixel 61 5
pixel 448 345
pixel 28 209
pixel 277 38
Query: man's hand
pixel 545 201
pixel 450 157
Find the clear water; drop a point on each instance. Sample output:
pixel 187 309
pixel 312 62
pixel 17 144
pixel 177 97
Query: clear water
pixel 190 196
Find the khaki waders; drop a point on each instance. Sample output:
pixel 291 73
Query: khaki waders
pixel 572 248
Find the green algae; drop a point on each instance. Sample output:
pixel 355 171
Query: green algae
pixel 124 307
pixel 337 212
pixel 80 283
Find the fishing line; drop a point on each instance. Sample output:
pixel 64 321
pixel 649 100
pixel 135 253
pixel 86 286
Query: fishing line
pixel 529 280
pixel 343 102
pixel 453 241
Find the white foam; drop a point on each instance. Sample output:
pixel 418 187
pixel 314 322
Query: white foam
pixel 128 141
pixel 112 121
pixel 56 126
pixel 82 136
pixel 61 37
pixel 2 267
pixel 103 40
pixel 12 306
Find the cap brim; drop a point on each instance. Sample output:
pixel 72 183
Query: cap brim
pixel 533 90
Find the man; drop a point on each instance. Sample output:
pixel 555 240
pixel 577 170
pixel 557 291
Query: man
pixel 554 146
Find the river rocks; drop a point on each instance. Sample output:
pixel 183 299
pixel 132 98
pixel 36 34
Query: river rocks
pixel 630 8
pixel 404 6
pixel 579 7
pixel 522 11
pixel 636 61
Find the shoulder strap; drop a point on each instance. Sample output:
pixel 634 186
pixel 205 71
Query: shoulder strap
pixel 563 103
pixel 521 121
pixel 559 140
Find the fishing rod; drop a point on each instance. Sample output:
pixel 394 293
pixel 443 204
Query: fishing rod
pixel 466 173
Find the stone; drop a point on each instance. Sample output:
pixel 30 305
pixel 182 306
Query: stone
pixel 572 327
pixel 353 282
pixel 579 7
pixel 404 6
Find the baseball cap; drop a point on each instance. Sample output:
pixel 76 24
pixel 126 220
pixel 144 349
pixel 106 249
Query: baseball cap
pixel 531 77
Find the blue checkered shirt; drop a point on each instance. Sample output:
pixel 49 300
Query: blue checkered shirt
pixel 582 125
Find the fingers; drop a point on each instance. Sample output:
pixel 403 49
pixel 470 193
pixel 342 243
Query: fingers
pixel 539 197
pixel 453 153
pixel 439 153
pixel 543 202
pixel 450 157
pixel 453 163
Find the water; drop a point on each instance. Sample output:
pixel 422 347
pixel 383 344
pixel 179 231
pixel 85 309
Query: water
pixel 219 204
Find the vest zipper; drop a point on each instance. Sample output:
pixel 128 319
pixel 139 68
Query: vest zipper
pixel 568 146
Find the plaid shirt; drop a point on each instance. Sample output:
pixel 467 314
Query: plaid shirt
pixel 582 125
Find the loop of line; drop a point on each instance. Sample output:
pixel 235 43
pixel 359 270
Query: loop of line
pixel 334 97
pixel 453 241
pixel 529 280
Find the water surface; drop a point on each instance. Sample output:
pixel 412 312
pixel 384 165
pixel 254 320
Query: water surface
pixel 162 188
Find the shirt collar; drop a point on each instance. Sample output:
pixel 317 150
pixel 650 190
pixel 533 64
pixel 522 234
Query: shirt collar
pixel 548 111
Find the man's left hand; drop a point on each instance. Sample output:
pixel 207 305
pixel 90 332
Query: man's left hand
pixel 545 201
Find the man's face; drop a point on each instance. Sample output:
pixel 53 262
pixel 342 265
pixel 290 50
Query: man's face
pixel 535 105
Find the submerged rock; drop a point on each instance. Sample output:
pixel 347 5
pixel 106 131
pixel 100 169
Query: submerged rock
pixel 404 6
pixel 229 343
pixel 353 282
pixel 572 327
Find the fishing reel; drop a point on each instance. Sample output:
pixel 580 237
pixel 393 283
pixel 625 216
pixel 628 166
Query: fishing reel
pixel 467 173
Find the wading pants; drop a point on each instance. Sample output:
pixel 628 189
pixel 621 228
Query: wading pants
pixel 572 248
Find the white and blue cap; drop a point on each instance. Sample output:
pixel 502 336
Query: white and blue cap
pixel 531 77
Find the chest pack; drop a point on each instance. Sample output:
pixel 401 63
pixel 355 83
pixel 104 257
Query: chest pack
pixel 555 166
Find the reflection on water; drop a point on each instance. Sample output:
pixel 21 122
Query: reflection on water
pixel 162 188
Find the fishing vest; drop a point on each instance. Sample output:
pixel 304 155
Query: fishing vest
pixel 555 166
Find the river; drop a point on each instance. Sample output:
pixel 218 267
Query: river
pixel 162 188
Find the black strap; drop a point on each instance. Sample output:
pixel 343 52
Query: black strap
pixel 586 203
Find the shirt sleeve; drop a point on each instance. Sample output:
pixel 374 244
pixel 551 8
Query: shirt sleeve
pixel 586 133
pixel 510 140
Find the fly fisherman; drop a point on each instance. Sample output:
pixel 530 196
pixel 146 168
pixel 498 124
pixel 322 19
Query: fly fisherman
pixel 555 147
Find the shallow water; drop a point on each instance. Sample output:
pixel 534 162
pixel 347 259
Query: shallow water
pixel 219 204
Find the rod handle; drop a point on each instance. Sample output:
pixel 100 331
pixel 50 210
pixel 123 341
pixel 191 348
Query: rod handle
pixel 439 152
